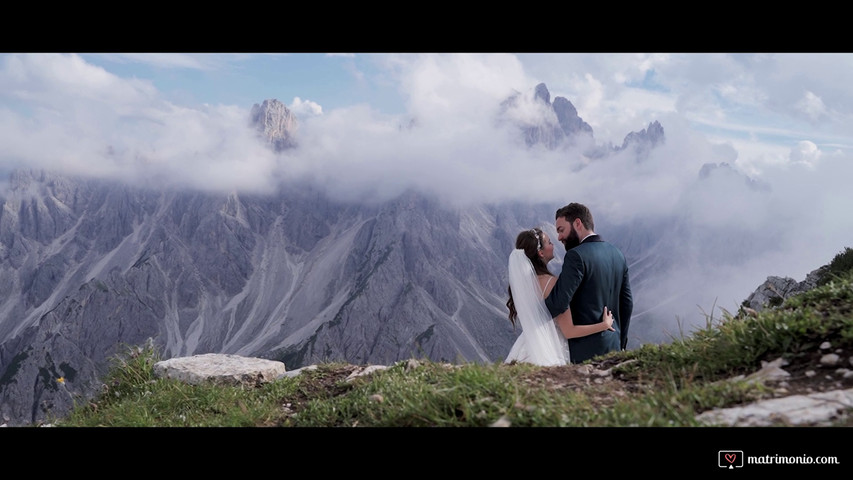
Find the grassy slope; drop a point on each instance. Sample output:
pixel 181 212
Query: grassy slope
pixel 655 385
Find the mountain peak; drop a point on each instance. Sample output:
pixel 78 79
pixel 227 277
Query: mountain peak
pixel 543 94
pixel 275 123
pixel 545 130
pixel 645 140
pixel 567 115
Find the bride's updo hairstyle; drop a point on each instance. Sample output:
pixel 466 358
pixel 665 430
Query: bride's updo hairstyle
pixel 531 242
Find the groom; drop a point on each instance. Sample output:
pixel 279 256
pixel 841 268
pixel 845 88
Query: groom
pixel 594 275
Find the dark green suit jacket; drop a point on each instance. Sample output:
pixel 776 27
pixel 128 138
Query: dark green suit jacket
pixel 594 275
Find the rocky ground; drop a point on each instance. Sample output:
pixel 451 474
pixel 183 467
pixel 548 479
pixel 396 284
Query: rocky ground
pixel 808 374
pixel 824 370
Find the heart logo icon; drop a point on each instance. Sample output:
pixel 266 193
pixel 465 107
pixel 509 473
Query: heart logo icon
pixel 730 457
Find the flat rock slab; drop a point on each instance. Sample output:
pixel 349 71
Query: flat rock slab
pixel 812 409
pixel 223 369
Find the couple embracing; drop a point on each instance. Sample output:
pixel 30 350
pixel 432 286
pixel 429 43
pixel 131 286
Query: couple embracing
pixel 585 311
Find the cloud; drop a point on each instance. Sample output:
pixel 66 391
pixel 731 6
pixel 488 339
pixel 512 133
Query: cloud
pixel 67 82
pixel 305 108
pixel 784 187
pixel 63 112
pixel 812 106
pixel 805 152
pixel 76 118
pixel 60 111
pixel 460 88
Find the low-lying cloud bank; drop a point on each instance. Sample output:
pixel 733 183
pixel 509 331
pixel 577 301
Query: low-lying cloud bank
pixel 62 114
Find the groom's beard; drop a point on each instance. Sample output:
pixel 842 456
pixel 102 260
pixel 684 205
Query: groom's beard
pixel 572 240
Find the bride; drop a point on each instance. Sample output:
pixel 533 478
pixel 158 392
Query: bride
pixel 541 341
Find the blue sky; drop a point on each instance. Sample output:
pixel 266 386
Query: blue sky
pixel 181 120
pixel 334 80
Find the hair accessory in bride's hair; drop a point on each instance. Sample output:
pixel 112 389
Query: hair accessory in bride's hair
pixel 538 240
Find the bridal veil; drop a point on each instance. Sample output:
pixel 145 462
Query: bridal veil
pixel 540 342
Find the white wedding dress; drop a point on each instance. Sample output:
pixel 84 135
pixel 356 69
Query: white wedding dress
pixel 540 342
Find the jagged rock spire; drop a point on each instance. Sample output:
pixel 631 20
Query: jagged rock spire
pixel 647 138
pixel 276 123
pixel 543 94
pixel 546 131
pixel 568 117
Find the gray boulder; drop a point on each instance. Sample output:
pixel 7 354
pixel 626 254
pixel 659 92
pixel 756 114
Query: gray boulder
pixel 221 369
pixel 775 290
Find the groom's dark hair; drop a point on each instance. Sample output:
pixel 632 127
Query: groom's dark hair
pixel 577 210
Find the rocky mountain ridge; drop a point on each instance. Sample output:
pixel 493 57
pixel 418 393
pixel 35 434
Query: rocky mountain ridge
pixel 88 265
pixel 560 126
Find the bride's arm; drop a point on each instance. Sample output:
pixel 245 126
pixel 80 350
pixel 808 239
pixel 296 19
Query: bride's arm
pixel 570 330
